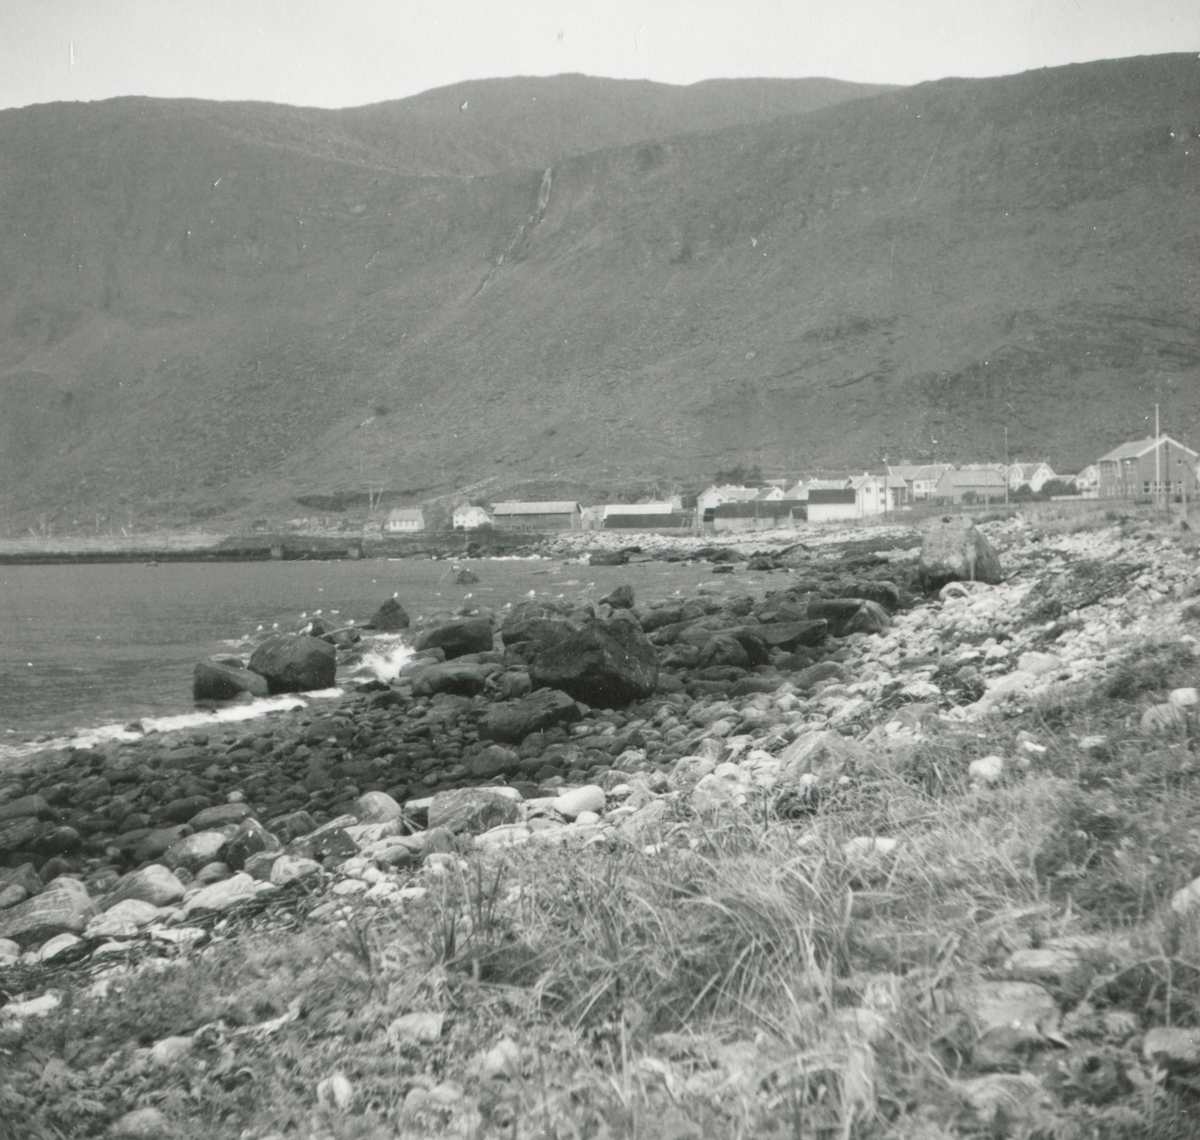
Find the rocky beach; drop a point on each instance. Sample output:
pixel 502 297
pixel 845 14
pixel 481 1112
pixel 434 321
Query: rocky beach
pixel 885 833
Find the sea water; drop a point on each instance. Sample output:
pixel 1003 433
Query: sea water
pixel 87 649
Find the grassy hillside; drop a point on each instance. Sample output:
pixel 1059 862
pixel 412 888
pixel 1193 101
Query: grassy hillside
pixel 214 308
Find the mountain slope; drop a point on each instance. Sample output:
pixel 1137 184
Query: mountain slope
pixel 198 320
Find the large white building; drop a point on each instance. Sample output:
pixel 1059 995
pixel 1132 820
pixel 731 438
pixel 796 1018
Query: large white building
pixel 468 518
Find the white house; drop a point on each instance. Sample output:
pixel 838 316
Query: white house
pixel 405 520
pixel 1037 475
pixel 830 504
pixel 728 493
pixel 877 494
pixel 921 479
pixel 468 518
pixel 1087 481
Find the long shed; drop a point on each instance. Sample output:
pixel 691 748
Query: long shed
pixel 537 517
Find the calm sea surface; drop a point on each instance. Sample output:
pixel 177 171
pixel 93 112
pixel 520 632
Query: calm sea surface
pixel 87 646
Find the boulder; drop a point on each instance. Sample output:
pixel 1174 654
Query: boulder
pixel 870 618
pixel 494 761
pixel 620 599
pixel 722 651
pixel 606 558
pixel 21 833
pixel 195 851
pixel 251 838
pixel 452 677
pixel 26 806
pixel 590 798
pixel 259 866
pixel 466 577
pixel 472 810
pixel 458 638
pixel 511 722
pixel 376 807
pixel 213 682
pixel 388 618
pixel 156 842
pixel 954 549
pixel 606 663
pixel 288 868
pixel 220 815
pixel 221 896
pixel 154 884
pixel 292 826
pixel 294 664
pixel 885 594
pixel 62 908
pixel 838 612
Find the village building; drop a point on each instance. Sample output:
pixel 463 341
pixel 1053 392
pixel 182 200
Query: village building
pixel 1087 482
pixel 764 514
pixel 878 494
pixel 982 484
pixel 727 493
pixel 469 518
pixel 769 495
pixel 1033 475
pixel 832 504
pixel 802 490
pixel 664 515
pixel 921 479
pixel 1144 468
pixel 537 517
pixel 402 520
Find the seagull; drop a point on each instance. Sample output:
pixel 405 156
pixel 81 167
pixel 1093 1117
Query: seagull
pixel 464 105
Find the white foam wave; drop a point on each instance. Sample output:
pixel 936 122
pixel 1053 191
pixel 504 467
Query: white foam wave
pixel 385 659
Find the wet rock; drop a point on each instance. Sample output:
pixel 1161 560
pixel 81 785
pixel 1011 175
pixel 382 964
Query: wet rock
pixel 870 618
pixel 64 907
pixel 606 664
pixel 220 815
pixel 194 851
pixel 815 674
pixel 20 834
pixel 494 761
pixel 462 679
pixel 720 650
pixel 251 838
pixel 294 663
pixel 258 866
pixel 292 826
pixel 884 594
pixel 214 682
pixel 466 578
pixel 24 807
pixel 953 548
pixel 620 599
pixel 458 638
pixel 213 873
pixel 182 809
pixel 838 612
pixel 56 841
pixel 388 618
pixel 472 810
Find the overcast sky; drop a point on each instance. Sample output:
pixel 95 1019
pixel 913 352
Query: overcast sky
pixel 339 53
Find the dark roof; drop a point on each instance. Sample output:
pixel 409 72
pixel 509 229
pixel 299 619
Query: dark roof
pixel 649 522
pixel 842 495
pixel 760 509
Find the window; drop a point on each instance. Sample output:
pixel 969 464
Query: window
pixel 1146 487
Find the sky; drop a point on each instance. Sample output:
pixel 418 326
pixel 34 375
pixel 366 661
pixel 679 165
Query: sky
pixel 341 53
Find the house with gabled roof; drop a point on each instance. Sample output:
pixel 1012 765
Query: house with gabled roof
pixel 1143 468
pixel 920 478
pixel 1033 475
pixel 972 484
pixel 470 518
pixel 727 493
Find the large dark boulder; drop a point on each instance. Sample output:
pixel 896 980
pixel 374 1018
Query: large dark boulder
pixel 664 615
pixel 721 650
pixel 472 810
pixel 459 637
pixel 838 612
pixel 620 599
pixel 295 664
pixel 606 663
pixel 954 549
pixel 512 721
pixel 215 682
pixel 885 594
pixel 388 618
pixel 452 677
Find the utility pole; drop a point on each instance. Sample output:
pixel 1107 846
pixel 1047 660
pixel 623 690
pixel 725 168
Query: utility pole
pixel 1157 463
pixel 1006 479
